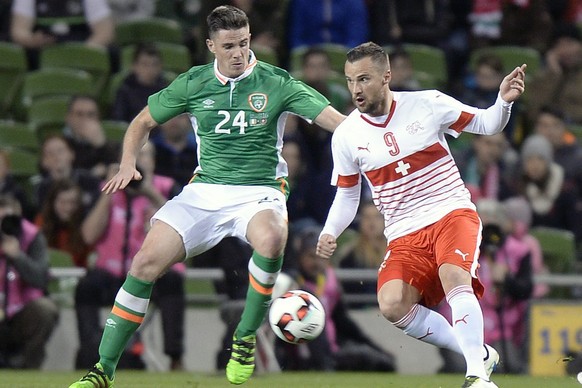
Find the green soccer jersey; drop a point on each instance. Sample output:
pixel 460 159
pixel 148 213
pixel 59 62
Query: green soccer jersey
pixel 238 122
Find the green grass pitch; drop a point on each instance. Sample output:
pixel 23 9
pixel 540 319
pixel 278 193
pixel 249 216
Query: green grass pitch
pixel 132 379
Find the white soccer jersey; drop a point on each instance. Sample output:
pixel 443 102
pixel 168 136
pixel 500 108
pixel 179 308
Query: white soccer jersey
pixel 405 158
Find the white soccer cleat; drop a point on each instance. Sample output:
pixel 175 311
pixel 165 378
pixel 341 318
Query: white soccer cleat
pixel 478 382
pixel 491 360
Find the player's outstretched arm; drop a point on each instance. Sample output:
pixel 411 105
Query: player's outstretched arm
pixel 329 118
pixel 513 85
pixel 135 138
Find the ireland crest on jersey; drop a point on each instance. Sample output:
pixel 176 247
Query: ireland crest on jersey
pixel 258 101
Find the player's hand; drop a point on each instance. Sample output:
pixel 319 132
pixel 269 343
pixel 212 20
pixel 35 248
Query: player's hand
pixel 121 179
pixel 326 246
pixel 513 85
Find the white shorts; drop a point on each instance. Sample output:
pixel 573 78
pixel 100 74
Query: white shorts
pixel 203 214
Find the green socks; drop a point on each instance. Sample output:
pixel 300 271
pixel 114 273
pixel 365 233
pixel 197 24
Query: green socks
pixel 129 309
pixel 262 275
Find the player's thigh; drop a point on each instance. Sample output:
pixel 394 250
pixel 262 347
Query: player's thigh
pixel 457 249
pixel 197 217
pixel 410 259
pixel 261 219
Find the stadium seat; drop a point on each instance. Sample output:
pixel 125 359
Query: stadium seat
pixel 13 67
pixel 511 56
pixel 60 258
pixel 18 135
pixel 114 130
pixel 266 54
pixel 149 30
pixel 558 248
pixel 47 82
pixel 79 56
pixel 428 60
pixel 23 163
pixel 47 115
pixel 176 57
pixel 336 52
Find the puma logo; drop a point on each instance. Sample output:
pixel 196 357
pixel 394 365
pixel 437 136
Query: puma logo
pixel 364 148
pixel 462 319
pixel 463 255
pixel 428 332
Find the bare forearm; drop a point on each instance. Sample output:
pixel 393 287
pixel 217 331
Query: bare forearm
pixel 136 136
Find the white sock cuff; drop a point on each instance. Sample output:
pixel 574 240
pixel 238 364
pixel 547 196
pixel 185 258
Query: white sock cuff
pixel 408 318
pixel 459 292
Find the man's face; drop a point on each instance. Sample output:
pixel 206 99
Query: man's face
pixel 367 83
pixel 81 111
pixel 231 49
pixel 316 68
pixel 147 68
pixel 551 127
pixel 56 155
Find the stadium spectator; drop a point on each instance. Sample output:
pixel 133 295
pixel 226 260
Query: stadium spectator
pixel 343 345
pixel 526 23
pixel 481 88
pixel 552 196
pixel 176 149
pixel 60 217
pixel 312 22
pixel 308 199
pixel 366 250
pixel 316 72
pixel 83 130
pixel 551 123
pixel 431 224
pixel 10 186
pixel 116 227
pixel 485 167
pixel 403 78
pixel 146 78
pixel 56 162
pixel 27 315
pixel 557 84
pixel 128 10
pixel 39 24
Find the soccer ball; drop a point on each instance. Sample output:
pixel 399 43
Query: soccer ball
pixel 297 316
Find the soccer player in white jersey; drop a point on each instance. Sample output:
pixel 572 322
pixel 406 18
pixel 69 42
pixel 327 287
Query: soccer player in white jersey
pixel 396 142
pixel 238 107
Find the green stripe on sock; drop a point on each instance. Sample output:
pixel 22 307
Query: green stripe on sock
pixel 138 287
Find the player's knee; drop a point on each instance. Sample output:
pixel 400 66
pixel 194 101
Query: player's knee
pixel 392 306
pixel 271 243
pixel 145 266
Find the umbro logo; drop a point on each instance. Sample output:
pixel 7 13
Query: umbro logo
pixel 111 323
pixel 208 103
pixel 267 199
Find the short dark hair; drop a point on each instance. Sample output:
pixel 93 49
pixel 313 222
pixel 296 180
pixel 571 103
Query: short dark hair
pixel 553 111
pixel 369 49
pixel 226 17
pixel 146 48
pixel 313 51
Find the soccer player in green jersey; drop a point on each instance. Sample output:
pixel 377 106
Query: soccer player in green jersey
pixel 238 107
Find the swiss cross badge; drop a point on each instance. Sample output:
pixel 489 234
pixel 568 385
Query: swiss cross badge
pixel 258 101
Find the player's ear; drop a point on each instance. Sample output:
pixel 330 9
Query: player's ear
pixel 210 45
pixel 387 77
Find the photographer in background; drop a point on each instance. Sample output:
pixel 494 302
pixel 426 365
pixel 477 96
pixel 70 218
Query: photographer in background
pixel 27 316
pixel 116 227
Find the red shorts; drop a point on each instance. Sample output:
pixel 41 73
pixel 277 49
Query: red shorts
pixel 416 257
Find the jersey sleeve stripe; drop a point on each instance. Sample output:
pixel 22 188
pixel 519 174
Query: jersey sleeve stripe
pixel 348 181
pixel 463 120
pixel 417 161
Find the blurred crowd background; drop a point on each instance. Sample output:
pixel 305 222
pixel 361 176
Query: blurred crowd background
pixel 73 74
